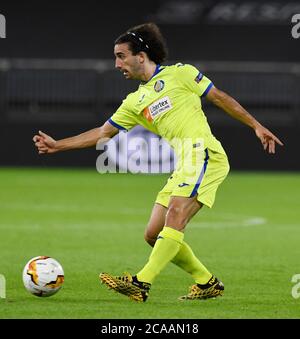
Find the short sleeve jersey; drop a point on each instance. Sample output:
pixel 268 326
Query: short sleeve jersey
pixel 169 105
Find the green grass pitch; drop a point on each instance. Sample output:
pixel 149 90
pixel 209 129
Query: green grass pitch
pixel 92 222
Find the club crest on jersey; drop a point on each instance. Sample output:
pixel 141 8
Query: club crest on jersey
pixel 159 85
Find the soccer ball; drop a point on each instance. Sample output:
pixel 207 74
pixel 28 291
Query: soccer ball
pixel 43 276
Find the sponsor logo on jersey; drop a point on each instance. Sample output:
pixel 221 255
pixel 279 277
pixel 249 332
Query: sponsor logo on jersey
pixel 157 108
pixel 159 85
pixel 198 77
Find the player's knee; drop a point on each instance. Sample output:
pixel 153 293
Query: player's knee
pixel 176 217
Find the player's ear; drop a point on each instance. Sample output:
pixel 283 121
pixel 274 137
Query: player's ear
pixel 142 57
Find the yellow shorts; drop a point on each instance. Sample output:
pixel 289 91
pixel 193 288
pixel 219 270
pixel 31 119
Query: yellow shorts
pixel 210 169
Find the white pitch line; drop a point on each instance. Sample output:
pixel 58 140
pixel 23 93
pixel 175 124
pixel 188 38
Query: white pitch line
pixel 227 221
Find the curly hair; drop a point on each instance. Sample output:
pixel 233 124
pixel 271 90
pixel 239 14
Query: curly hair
pixel 147 38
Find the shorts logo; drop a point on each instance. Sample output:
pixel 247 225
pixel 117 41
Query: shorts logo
pixel 159 85
pixel 157 108
pixel 183 184
pixel 198 77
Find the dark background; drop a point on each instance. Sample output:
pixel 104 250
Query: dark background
pixel 241 32
pixel 87 29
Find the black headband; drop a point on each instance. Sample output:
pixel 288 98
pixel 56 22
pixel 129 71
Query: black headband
pixel 139 38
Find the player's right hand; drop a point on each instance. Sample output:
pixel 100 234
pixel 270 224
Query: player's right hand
pixel 44 143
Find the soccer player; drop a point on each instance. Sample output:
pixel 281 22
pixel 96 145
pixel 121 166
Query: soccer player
pixel 168 103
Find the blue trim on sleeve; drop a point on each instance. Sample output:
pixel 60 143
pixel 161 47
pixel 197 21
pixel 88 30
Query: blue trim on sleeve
pixel 201 174
pixel 116 125
pixel 207 89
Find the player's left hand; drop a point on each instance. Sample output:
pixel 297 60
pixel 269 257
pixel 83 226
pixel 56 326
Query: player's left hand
pixel 268 139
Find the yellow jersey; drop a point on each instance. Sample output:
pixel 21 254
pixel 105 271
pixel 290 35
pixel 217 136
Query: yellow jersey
pixel 169 105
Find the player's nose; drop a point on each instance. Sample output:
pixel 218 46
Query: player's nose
pixel 118 64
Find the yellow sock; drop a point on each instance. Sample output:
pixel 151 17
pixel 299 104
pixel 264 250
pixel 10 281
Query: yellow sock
pixel 186 259
pixel 166 247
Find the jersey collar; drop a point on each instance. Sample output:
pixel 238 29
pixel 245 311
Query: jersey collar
pixel 158 68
